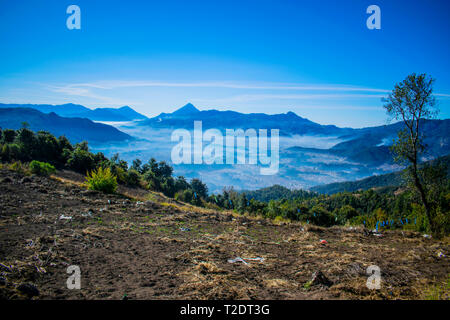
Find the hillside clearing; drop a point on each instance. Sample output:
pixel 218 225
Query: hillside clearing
pixel 161 249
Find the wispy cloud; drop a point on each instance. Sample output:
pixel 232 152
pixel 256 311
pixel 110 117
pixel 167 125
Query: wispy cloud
pixel 310 97
pixel 99 91
pixel 114 84
pixel 87 92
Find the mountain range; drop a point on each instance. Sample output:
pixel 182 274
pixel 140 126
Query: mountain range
pixel 288 123
pixel 393 179
pixel 311 154
pixel 367 145
pixel 78 111
pixel 75 129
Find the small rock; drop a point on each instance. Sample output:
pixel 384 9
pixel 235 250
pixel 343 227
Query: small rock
pixel 25 180
pixel 90 193
pixel 7 180
pixel 318 278
pixel 28 289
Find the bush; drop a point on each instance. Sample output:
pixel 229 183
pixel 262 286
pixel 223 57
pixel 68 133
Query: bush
pixel 41 168
pixel 81 160
pixel 199 187
pixel 102 180
pixel 185 196
pixel 20 168
pixel 133 178
pixel 10 152
pixel 8 135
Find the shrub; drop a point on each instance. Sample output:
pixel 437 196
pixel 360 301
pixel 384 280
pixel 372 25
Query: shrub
pixel 10 152
pixel 8 135
pixel 102 180
pixel 20 168
pixel 41 168
pixel 120 173
pixel 133 178
pixel 81 160
pixel 199 187
pixel 185 196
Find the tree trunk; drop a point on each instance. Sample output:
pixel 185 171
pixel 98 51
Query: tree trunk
pixel 423 196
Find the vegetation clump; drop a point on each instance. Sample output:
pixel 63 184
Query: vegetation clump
pixel 102 180
pixel 41 168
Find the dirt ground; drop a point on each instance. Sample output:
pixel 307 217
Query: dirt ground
pixel 144 246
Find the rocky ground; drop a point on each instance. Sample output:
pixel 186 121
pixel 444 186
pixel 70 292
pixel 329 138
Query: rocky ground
pixel 142 245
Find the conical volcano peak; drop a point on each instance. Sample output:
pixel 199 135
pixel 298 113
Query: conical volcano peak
pixel 187 109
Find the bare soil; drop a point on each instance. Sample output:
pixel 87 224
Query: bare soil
pixel 146 246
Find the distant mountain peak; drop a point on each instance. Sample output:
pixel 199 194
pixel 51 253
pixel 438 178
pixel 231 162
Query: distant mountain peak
pixel 125 108
pixel 187 109
pixel 292 114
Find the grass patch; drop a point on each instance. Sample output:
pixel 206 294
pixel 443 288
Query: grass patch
pixel 440 291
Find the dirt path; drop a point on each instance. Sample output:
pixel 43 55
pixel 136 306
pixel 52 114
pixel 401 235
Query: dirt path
pixel 159 250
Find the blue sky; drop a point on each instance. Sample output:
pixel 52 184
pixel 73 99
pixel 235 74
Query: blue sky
pixel 315 58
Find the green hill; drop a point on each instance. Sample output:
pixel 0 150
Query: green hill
pixel 393 179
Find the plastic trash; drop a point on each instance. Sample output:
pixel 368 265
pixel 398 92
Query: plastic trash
pixel 427 236
pixel 185 229
pixel 88 214
pixel 323 241
pixel 63 217
pixel 377 234
pixel 255 259
pixel 239 259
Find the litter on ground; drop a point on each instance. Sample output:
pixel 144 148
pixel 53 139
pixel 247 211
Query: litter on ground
pixel 239 259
